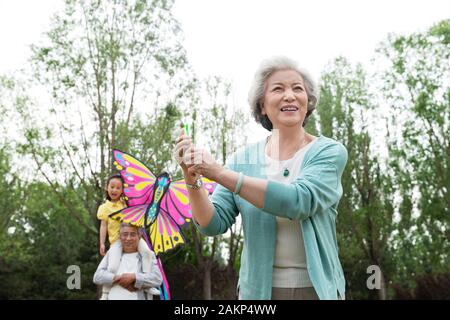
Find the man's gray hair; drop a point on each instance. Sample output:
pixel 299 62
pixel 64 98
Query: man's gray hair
pixel 265 70
pixel 124 224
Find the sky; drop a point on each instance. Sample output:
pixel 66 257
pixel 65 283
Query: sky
pixel 229 38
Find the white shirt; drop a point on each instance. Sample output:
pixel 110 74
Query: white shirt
pixel 128 264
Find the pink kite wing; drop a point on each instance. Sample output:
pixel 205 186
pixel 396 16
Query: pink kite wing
pixel 134 215
pixel 165 292
pixel 164 288
pixel 176 202
pixel 165 234
pixel 139 180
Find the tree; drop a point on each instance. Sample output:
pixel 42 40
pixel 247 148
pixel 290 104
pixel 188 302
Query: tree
pixel 115 70
pixel 46 240
pixel 221 129
pixel 12 253
pixel 364 222
pixel 417 92
pixel 116 76
pixel 9 182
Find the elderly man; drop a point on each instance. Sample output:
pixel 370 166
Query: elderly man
pixel 131 281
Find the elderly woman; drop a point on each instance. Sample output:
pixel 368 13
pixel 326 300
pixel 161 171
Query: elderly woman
pixel 287 188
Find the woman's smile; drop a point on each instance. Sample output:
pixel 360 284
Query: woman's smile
pixel 289 110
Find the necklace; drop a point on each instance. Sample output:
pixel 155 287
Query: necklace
pixel 286 166
pixel 286 171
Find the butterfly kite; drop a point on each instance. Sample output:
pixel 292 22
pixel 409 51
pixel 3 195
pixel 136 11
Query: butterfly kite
pixel 159 205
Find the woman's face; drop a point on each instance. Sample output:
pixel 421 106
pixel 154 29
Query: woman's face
pixel 115 189
pixel 285 100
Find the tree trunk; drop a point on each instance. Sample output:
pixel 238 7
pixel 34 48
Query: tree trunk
pixel 207 282
pixel 382 291
pixel 232 282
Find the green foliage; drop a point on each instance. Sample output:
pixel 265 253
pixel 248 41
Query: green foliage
pixel 441 30
pixel 394 212
pixel 419 147
pixel 365 214
pixel 117 76
pixel 151 140
pixel 9 186
pixel 41 241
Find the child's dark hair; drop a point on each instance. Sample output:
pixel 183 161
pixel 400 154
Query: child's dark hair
pixel 114 176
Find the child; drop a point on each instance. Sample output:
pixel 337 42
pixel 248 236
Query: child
pixel 111 227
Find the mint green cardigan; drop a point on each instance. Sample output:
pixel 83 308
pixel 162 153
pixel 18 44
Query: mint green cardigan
pixel 312 199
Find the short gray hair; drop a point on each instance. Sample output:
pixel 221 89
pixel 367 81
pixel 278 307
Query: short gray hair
pixel 265 70
pixel 124 224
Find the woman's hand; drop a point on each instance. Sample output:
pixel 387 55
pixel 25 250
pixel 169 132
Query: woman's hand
pixel 183 143
pixel 195 161
pixel 201 162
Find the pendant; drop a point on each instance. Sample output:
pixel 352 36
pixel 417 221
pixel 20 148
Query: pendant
pixel 286 172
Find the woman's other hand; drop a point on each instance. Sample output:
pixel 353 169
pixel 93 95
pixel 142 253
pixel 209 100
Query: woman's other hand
pixel 202 162
pixel 182 145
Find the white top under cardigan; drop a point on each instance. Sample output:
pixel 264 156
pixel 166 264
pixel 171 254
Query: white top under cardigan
pixel 289 270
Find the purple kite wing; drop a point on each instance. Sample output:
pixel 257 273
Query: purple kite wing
pixel 209 185
pixel 139 180
pixel 176 202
